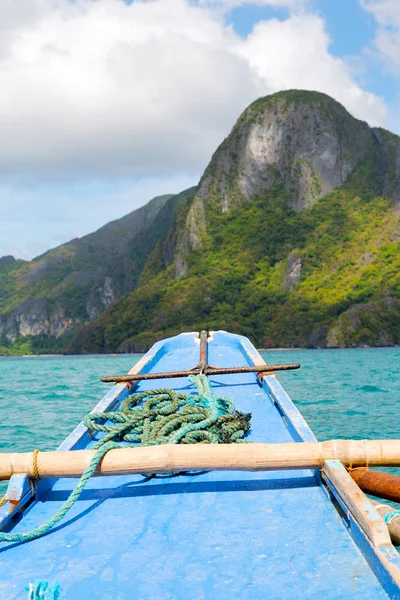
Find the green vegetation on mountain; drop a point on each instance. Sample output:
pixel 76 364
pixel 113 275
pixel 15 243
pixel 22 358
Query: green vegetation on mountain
pixel 9 267
pixel 348 245
pixel 291 238
pixel 32 344
pixel 43 301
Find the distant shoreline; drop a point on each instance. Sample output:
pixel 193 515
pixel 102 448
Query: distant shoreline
pixel 111 354
pixel 288 349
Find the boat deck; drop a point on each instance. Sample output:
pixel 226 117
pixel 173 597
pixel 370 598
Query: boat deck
pixel 209 535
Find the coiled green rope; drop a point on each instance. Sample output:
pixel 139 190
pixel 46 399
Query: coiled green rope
pixel 151 418
pixel 388 517
pixel 168 417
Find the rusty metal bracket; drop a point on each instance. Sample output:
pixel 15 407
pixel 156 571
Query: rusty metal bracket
pixel 202 368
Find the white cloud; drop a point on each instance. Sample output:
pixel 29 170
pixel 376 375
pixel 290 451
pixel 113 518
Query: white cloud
pixel 102 89
pixel 228 4
pixel 134 97
pixel 387 40
pixel 295 54
pixel 387 12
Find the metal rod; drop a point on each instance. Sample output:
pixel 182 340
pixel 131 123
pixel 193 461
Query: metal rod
pixel 203 347
pixel 207 371
pixel 377 483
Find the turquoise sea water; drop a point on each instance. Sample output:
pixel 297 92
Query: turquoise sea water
pixel 352 393
pixel 341 393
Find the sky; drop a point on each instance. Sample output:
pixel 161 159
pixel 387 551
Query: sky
pixel 105 104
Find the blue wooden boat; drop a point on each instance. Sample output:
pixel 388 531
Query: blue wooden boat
pixel 209 535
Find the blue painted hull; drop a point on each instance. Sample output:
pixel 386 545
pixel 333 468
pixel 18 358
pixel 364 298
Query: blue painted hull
pixel 219 535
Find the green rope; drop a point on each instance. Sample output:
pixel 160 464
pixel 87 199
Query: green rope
pixel 388 517
pixel 151 418
pixel 41 590
pixel 168 417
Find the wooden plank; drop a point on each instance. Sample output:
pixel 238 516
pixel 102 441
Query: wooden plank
pixel 296 422
pixel 117 393
pixel 292 417
pixel 357 503
pixel 390 561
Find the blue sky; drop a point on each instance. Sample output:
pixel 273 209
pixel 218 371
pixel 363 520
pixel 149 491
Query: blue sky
pixel 350 27
pixel 106 104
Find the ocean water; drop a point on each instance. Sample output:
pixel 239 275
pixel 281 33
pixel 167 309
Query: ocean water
pixel 341 393
pixel 350 393
pixel 43 398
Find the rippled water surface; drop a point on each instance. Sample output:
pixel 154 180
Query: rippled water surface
pixel 43 398
pixel 345 393
pixel 341 393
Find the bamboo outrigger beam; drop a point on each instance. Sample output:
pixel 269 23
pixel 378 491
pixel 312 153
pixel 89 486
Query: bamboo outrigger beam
pixel 199 457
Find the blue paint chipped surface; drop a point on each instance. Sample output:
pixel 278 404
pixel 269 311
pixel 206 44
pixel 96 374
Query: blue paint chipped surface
pixel 211 535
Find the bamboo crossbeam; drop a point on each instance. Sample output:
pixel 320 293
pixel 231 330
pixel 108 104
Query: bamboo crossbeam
pixel 199 457
pixel 208 370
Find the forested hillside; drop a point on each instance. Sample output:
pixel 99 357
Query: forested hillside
pixel 44 301
pixel 292 238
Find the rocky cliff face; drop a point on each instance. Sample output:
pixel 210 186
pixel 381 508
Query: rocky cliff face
pixel 292 238
pixel 375 323
pixel 37 317
pixel 75 283
pixel 292 273
pixel 304 142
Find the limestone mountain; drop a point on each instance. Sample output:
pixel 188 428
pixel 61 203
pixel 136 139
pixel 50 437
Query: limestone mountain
pixel 44 300
pixel 292 237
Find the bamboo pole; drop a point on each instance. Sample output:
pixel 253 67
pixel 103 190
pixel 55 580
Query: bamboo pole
pixel 198 457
